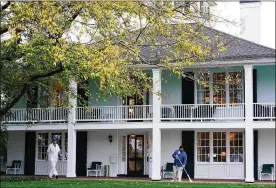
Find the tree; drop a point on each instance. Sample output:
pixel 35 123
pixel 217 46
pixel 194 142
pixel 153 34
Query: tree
pixel 107 42
pixel 44 42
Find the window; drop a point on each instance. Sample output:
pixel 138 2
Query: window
pixel 204 9
pixel 212 88
pixel 42 145
pixel 236 146
pixel 59 142
pixel 235 87
pixel 219 147
pixel 203 89
pixel 124 148
pixel 45 139
pixel 203 147
pixel 65 146
pixel 219 88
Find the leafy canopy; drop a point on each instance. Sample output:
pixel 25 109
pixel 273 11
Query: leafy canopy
pixel 110 43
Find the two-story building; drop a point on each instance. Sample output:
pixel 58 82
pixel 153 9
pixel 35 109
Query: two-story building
pixel 227 128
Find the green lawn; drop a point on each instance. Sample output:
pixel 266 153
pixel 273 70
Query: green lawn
pixel 124 184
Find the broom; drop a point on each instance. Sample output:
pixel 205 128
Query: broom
pixel 184 169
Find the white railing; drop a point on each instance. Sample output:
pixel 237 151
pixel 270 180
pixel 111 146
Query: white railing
pixel 203 112
pixel 264 111
pixel 114 113
pixel 36 115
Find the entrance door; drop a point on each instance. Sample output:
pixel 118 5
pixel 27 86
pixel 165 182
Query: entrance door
pixel 135 155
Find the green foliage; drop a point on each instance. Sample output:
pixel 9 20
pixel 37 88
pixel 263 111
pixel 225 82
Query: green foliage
pixel 101 41
pixel 20 178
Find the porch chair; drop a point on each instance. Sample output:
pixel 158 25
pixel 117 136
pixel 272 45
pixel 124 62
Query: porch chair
pixel 168 170
pixel 267 169
pixel 16 166
pixel 95 167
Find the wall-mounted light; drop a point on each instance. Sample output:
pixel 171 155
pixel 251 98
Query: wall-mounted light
pixel 110 139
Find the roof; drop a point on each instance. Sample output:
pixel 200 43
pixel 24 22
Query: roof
pixel 236 49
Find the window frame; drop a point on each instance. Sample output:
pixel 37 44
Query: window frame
pixel 49 142
pixel 243 141
pixel 211 147
pixel 196 147
pixel 227 87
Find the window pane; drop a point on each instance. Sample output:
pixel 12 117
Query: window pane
pixel 236 148
pixel 203 147
pixel 42 145
pixel 219 147
pixel 66 146
pixel 235 87
pixel 219 88
pixel 203 90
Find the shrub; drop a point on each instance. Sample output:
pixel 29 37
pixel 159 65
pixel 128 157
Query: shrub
pixel 22 178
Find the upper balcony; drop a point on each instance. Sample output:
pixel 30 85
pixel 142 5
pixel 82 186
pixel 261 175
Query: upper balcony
pixel 184 101
pixel 143 113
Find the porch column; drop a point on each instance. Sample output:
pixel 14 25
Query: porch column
pixel 249 152
pixel 156 132
pixel 71 158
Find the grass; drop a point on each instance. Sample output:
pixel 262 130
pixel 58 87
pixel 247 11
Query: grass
pixel 124 184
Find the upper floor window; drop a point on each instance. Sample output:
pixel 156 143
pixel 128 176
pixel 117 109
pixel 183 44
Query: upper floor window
pixel 220 88
pixel 235 87
pixel 204 9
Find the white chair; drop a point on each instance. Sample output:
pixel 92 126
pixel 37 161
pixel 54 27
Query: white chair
pixel 94 167
pixel 16 166
pixel 267 169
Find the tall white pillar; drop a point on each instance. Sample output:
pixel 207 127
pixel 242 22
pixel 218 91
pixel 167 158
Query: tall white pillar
pixel 156 132
pixel 71 158
pixel 249 150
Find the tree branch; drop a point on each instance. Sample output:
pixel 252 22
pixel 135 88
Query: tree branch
pixel 5 6
pixel 26 86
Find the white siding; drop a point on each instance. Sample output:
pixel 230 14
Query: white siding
pixel 171 140
pixel 16 148
pixel 266 148
pixel 100 149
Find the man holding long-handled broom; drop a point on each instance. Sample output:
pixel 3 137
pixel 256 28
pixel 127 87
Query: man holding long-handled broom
pixel 180 160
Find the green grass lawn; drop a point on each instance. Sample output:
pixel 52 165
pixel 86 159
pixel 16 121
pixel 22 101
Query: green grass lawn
pixel 124 184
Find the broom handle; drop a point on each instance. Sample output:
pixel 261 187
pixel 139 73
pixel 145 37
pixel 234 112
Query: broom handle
pixel 183 167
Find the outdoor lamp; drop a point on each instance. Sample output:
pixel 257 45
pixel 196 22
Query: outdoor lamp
pixel 110 139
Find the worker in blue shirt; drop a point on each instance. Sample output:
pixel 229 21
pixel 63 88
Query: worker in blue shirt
pixel 180 160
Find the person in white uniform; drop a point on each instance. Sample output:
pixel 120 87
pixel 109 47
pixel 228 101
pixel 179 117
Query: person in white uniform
pixel 52 157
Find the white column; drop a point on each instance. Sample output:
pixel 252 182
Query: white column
pixel 249 152
pixel 71 159
pixel 248 90
pixel 156 132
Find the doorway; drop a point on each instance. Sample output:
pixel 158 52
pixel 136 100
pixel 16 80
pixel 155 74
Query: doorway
pixel 135 155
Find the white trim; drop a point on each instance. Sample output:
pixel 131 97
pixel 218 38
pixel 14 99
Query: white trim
pixel 259 61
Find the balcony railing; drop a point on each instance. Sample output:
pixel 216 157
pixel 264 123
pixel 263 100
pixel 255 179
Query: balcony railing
pixel 114 113
pixel 203 112
pixel 174 112
pixel 264 111
pixel 36 115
